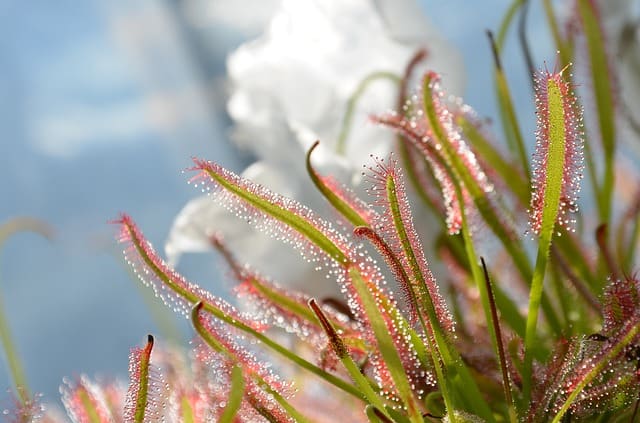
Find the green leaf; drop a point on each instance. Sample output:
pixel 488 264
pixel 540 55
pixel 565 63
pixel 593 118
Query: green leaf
pixel 554 138
pixel 512 244
pixel 16 369
pixel 385 344
pixel 342 352
pixel 626 337
pixel 230 354
pixel 140 379
pixel 236 392
pixel 510 123
pixel 604 92
pixel 339 203
pixel 341 143
pixel 274 207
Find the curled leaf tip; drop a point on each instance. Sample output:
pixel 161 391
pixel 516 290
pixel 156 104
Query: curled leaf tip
pixel 335 340
pixel 145 395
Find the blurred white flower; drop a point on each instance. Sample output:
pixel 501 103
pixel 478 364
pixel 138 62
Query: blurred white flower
pixel 295 80
pixel 291 87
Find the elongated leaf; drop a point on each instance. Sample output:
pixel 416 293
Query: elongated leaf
pixel 176 290
pixel 236 392
pixel 85 401
pixel 341 351
pixel 385 343
pixel 346 203
pixel 603 86
pixel 356 271
pixel 556 182
pixel 288 220
pixel 264 389
pixel 397 228
pixel 146 388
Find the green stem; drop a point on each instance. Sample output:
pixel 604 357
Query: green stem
pixel 510 123
pixel 342 353
pixel 341 143
pixel 13 359
pixel 143 382
pixel 506 22
pixel 535 296
pixel 16 369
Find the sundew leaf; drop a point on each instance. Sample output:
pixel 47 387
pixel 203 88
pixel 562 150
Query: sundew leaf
pixel 355 270
pixel 385 343
pixel 264 390
pixel 145 396
pixel 415 132
pixel 620 303
pixel 341 351
pixel 287 219
pixel 85 401
pixel 464 166
pixel 236 393
pixel 557 173
pixel 558 161
pixel 346 203
pixel 427 130
pixel 395 224
pixel 590 367
pixel 175 290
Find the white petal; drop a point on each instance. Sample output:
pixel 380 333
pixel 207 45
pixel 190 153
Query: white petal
pixel 293 83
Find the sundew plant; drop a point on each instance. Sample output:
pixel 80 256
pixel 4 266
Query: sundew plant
pixel 536 318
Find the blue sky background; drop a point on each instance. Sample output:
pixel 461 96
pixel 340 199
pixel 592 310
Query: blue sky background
pixel 102 104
